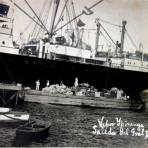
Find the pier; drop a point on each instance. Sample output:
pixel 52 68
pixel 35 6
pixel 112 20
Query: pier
pixel 9 94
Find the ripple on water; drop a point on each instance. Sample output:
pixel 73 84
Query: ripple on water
pixel 72 126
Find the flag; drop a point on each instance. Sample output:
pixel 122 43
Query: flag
pixel 80 23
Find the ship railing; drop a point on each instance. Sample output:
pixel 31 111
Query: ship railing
pixel 115 65
pixel 136 68
pixel 129 67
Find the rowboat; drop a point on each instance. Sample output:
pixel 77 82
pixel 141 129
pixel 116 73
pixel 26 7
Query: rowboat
pixel 4 110
pixel 13 118
pixel 34 130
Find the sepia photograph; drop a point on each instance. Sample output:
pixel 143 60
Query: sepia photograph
pixel 74 73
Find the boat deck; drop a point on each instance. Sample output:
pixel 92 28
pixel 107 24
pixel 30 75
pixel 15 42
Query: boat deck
pixel 98 102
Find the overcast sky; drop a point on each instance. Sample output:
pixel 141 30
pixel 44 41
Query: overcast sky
pixel 135 12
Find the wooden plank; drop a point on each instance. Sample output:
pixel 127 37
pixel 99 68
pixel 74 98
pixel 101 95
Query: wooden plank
pixel 103 102
pixel 10 87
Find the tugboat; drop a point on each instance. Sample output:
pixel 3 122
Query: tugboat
pixel 46 59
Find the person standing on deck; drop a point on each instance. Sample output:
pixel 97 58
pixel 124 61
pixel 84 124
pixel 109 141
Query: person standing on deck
pixel 76 83
pixel 37 85
pixel 48 83
pixel 75 86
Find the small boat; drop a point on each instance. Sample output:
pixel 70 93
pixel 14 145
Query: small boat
pixel 13 118
pixel 4 110
pixel 33 130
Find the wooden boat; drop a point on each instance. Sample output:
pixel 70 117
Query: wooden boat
pixel 84 101
pixel 4 110
pixel 32 131
pixel 13 118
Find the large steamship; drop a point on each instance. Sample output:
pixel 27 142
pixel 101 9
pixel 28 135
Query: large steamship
pixel 57 59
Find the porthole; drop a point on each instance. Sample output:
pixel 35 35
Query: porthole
pixel 3 42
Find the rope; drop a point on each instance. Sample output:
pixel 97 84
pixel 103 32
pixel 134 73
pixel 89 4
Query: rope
pixel 107 40
pixel 132 41
pixel 26 13
pixel 68 16
pixel 108 34
pixel 36 16
pixel 78 16
pixel 35 26
pixel 60 18
pixel 75 23
pixel 107 22
pixel 48 7
pixel 43 19
pixel 26 28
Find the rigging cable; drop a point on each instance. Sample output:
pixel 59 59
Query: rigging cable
pixel 36 26
pixel 61 15
pixel 26 13
pixel 36 16
pixel 68 16
pixel 108 34
pixel 78 15
pixel 26 28
pixel 107 22
pixel 74 15
pixel 132 41
pixel 75 24
pixel 107 39
pixel 46 17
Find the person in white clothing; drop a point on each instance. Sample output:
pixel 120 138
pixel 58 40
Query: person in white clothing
pixel 48 83
pixel 37 85
pixel 76 83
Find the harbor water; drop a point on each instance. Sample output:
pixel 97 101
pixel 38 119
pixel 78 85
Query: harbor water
pixel 74 127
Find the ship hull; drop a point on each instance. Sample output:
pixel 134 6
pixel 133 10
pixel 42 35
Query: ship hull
pixel 26 70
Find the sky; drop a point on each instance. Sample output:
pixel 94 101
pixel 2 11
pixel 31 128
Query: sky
pixel 133 11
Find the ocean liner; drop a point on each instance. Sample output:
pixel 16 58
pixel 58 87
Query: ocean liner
pixel 56 58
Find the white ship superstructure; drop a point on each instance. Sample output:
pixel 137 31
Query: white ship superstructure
pixel 6 30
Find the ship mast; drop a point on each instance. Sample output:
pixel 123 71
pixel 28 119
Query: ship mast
pixel 97 35
pixel 55 8
pixel 122 36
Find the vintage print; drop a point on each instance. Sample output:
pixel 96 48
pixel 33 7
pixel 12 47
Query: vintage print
pixel 74 73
